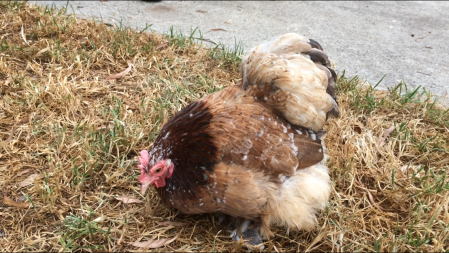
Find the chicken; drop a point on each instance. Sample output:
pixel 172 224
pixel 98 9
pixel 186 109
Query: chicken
pixel 254 151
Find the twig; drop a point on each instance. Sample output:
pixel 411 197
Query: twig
pixel 207 40
pixel 423 73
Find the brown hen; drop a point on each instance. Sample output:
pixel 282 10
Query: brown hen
pixel 256 150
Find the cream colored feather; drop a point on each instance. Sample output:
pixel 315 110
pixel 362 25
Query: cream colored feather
pixel 282 73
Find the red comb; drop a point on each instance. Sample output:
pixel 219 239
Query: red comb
pixel 143 159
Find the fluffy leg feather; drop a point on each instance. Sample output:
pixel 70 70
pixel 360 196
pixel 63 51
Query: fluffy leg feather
pixel 248 230
pixel 253 233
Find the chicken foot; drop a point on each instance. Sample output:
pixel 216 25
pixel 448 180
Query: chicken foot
pixel 248 229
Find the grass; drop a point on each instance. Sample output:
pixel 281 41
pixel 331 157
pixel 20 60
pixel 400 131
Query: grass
pixel 70 137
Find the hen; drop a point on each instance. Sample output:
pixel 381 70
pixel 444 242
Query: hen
pixel 255 150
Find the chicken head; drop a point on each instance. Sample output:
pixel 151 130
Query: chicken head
pixel 156 175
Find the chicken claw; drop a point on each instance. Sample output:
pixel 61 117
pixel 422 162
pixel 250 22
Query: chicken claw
pixel 249 230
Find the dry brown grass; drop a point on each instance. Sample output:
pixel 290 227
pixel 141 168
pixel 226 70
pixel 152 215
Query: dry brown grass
pixel 70 136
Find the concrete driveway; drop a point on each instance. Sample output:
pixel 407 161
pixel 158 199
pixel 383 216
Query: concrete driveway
pixel 405 40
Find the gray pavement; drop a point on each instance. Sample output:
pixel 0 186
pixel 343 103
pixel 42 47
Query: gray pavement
pixel 405 40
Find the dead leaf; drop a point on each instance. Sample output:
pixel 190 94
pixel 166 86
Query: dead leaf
pixel 228 21
pixel 10 202
pixel 81 21
pixel 217 30
pixel 162 46
pixel 113 23
pixel 172 223
pixel 41 52
pixel 7 81
pixel 29 180
pixel 171 240
pixel 48 171
pixel 128 200
pixel 207 40
pixel 4 35
pixel 102 127
pixel 153 244
pixel 11 134
pixel 24 120
pixel 23 172
pixel 385 135
pixel 21 199
pixel 23 36
pixel 121 74
pixel 27 119
pixel 357 128
pixel 371 199
pixel 404 169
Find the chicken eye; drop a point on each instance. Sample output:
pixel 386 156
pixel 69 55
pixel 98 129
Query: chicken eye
pixel 158 170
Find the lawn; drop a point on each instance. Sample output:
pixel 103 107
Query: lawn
pixel 80 99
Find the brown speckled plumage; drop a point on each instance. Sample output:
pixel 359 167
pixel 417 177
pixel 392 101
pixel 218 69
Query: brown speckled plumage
pixel 256 150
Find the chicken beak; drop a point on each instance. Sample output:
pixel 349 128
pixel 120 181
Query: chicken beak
pixel 144 188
